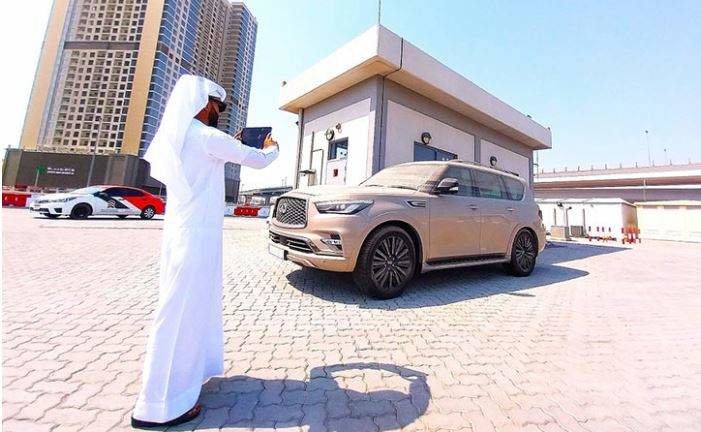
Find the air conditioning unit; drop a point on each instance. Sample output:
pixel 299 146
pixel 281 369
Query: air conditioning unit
pixel 577 231
pixel 560 232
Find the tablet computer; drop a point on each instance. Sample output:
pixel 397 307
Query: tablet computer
pixel 255 136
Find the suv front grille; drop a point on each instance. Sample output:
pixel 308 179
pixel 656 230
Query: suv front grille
pixel 296 244
pixel 291 211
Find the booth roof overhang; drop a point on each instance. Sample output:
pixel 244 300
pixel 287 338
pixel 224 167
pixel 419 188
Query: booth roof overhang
pixel 378 51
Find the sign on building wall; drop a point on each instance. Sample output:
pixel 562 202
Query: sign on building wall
pixel 60 170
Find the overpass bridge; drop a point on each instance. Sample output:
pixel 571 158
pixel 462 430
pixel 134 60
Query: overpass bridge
pixel 633 184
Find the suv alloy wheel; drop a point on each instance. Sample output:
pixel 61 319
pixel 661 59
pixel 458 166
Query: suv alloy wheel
pixel 523 254
pixel 386 263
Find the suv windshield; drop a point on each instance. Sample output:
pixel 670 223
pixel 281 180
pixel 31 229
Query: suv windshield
pixel 87 191
pixel 411 176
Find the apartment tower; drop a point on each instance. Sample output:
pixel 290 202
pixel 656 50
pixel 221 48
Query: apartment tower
pixel 107 68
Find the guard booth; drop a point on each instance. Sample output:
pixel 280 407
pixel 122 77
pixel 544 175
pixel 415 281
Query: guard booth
pixel 379 100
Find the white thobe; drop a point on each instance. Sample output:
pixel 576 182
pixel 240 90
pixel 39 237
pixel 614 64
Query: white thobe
pixel 186 344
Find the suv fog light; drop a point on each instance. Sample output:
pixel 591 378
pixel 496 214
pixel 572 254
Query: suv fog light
pixel 332 242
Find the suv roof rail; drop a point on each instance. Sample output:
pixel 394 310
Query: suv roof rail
pixel 477 164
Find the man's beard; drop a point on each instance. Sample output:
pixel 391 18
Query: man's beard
pixel 213 119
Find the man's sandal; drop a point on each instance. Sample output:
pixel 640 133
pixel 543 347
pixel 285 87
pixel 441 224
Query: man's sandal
pixel 188 416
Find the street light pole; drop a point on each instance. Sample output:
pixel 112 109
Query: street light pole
pixel 647 141
pixel 94 150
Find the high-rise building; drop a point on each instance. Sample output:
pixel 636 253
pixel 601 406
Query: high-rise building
pixel 107 68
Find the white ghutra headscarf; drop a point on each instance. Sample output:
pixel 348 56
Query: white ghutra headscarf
pixel 190 94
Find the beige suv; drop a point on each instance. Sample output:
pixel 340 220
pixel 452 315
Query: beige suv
pixel 408 219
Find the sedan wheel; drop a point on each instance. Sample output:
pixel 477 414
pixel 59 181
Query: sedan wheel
pixel 81 211
pixel 148 213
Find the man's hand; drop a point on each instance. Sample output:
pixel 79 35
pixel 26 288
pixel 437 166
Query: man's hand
pixel 237 135
pixel 269 142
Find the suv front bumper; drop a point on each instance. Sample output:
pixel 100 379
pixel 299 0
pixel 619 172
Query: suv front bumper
pixel 307 248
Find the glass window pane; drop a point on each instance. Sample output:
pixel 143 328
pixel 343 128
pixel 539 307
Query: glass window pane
pixel 338 149
pixel 462 175
pixel 114 191
pixel 443 155
pixel 423 153
pixel 427 153
pixel 489 185
pixel 514 187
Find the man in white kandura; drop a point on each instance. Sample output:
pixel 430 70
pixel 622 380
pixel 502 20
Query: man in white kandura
pixel 186 344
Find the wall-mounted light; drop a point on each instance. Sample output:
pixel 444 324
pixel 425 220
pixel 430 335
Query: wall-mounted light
pixel 338 127
pixel 425 138
pixel 329 134
pixel 493 161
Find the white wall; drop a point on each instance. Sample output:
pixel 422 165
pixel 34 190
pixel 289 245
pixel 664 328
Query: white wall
pixel 670 222
pixel 506 159
pixel 608 217
pixel 359 135
pixel 405 126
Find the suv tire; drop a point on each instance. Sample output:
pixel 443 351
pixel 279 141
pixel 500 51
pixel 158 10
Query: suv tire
pixel 386 263
pixel 523 254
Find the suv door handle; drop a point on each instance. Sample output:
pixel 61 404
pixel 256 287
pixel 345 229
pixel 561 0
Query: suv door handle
pixel 510 209
pixel 473 207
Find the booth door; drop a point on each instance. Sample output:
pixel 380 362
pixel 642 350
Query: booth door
pixel 337 163
pixel 336 172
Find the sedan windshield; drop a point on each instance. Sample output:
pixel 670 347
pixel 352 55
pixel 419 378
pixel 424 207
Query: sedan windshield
pixel 409 176
pixel 87 191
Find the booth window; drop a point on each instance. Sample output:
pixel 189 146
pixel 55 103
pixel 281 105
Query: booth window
pixel 338 149
pixel 423 152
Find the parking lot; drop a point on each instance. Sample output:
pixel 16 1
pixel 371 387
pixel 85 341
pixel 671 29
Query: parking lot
pixel 599 338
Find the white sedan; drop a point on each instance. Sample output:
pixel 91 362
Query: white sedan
pixel 120 201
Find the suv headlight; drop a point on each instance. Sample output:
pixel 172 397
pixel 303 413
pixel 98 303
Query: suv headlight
pixel 342 207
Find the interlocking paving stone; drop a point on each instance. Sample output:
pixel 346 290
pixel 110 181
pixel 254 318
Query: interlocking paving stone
pixel 598 338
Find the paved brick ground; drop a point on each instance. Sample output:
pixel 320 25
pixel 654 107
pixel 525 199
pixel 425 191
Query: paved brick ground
pixel 598 339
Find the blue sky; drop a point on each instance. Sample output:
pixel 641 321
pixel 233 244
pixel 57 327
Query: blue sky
pixel 598 73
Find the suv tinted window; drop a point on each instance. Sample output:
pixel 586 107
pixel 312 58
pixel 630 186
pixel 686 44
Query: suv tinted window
pixel 490 185
pixel 514 188
pixel 464 178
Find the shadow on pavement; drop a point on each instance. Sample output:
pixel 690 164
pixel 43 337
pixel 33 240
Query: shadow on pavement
pixel 449 286
pixel 320 403
pixel 554 252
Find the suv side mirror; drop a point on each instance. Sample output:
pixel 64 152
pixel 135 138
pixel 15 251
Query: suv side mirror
pixel 447 186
